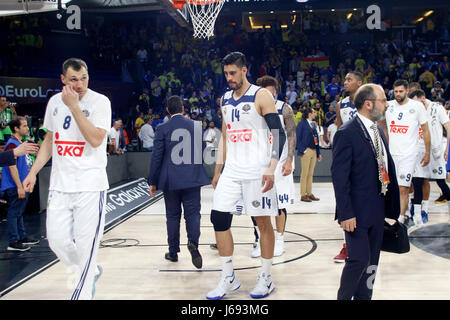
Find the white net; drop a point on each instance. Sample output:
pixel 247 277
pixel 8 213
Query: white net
pixel 204 14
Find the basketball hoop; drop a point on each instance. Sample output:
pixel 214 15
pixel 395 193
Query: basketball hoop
pixel 203 14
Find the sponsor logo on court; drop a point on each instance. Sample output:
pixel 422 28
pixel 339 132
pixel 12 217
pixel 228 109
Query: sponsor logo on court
pixel 395 128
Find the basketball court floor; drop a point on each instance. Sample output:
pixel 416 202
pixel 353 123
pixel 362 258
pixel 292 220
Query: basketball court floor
pixel 132 257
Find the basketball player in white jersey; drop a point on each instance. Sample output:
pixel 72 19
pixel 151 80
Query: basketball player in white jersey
pixel 284 178
pixel 345 111
pixel 436 169
pixel 249 117
pixel 404 117
pixel 77 120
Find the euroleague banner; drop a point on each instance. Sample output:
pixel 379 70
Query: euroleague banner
pixel 28 90
pixel 125 199
pixel 321 62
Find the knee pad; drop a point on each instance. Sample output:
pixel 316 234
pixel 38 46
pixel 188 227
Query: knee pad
pixel 221 220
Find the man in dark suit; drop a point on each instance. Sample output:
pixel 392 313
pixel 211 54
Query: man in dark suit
pixel 176 168
pixel 366 190
pixel 308 149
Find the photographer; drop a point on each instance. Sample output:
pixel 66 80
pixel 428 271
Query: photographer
pixel 7 113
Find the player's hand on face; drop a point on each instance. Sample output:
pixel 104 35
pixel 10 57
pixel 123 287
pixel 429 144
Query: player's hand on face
pixel 70 97
pixel 425 160
pixel 349 225
pixel 153 191
pixel 286 169
pixel 29 182
pixel 267 181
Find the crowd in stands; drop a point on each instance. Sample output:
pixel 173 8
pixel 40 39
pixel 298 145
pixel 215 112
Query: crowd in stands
pixel 164 59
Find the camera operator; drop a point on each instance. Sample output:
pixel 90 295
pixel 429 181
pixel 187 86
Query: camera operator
pixel 7 113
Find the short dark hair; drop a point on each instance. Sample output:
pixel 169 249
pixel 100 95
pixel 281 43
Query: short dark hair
pixel 306 112
pixel 236 58
pixel 15 123
pixel 267 81
pixel 358 74
pixel 419 93
pixel 364 93
pixel 401 82
pixel 174 104
pixel 74 63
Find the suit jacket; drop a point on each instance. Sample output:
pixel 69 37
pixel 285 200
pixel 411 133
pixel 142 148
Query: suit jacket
pixel 305 137
pixel 354 172
pixel 7 158
pixel 177 156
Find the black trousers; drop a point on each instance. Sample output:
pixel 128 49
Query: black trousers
pixel 358 276
pixel 190 199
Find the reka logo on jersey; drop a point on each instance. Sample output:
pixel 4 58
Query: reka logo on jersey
pixel 69 148
pixel 395 128
pixel 244 135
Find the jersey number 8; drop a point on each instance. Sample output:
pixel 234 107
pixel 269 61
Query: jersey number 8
pixel 67 120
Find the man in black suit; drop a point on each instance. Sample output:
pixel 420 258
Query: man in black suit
pixel 366 190
pixel 176 168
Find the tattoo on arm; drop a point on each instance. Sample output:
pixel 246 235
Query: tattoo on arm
pixel 289 124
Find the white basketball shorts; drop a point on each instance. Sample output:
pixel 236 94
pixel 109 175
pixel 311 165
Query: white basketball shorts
pixel 238 196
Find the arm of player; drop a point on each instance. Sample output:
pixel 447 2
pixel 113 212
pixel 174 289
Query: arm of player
pixel 44 154
pixel 289 126
pixel 16 178
pixel 447 128
pixel 427 140
pixel 221 154
pixel 338 115
pixel 93 135
pixel 265 105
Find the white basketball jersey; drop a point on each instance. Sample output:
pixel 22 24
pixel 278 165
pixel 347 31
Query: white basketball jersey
pixel 403 122
pixel 347 110
pixel 76 165
pixel 248 150
pixel 437 117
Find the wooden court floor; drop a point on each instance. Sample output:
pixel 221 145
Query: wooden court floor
pixel 136 269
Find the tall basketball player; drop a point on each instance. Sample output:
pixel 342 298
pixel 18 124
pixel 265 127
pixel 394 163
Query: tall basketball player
pixel 404 117
pixel 345 111
pixel 77 120
pixel 249 117
pixel 284 178
pixel 437 121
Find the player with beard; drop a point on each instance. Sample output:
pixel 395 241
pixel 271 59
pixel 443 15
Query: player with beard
pixel 345 111
pixel 249 117
pixel 404 117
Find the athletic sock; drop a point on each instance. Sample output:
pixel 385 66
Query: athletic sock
pixel 227 265
pixel 417 210
pixel 279 235
pixel 425 205
pixel 266 266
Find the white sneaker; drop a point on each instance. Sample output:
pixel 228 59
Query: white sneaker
pixel 279 248
pixel 256 253
pixel 264 287
pixel 227 283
